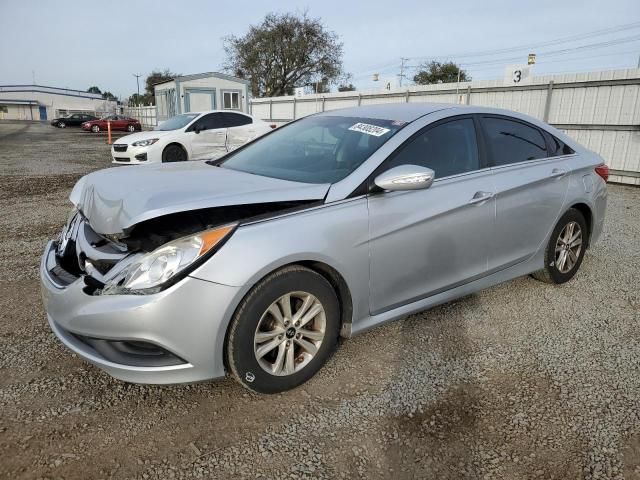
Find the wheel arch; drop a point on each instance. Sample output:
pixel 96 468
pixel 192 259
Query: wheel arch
pixel 177 143
pixel 335 279
pixel 586 212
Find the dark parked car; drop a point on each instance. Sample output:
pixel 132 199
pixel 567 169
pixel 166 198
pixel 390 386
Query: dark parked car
pixel 118 122
pixel 73 120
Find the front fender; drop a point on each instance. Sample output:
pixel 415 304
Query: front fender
pixel 335 234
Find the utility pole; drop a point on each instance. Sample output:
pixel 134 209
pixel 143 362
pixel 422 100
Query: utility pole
pixel 402 60
pixel 138 82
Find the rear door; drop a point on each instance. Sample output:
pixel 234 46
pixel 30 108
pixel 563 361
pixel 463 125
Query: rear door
pixel 424 242
pixel 531 185
pixel 120 122
pixel 211 140
pixel 240 129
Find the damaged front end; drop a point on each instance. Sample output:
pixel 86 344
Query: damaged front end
pixel 154 254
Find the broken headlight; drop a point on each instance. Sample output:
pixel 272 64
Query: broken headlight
pixel 166 264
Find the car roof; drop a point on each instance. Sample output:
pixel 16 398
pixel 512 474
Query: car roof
pixel 215 111
pixel 406 112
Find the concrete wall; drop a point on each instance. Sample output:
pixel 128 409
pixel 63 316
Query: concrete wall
pixel 55 101
pixel 601 110
pixel 19 112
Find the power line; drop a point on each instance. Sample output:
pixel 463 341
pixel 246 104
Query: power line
pixel 557 41
pixel 483 53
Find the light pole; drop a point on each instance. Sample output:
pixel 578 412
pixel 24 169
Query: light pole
pixel 138 82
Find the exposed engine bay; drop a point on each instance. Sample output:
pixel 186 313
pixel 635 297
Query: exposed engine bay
pixel 81 251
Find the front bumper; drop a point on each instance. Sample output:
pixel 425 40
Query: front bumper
pixel 188 320
pixel 136 155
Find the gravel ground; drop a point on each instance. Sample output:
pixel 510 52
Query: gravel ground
pixel 523 380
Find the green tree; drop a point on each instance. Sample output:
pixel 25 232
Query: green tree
pixel 438 72
pixel 109 96
pixel 93 89
pixel 143 99
pixel 155 77
pixel 346 87
pixel 283 52
pixel 158 76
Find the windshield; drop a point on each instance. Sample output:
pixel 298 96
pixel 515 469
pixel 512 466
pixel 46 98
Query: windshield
pixel 317 149
pixel 179 121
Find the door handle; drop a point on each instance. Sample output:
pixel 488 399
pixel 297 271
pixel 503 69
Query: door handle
pixel 558 173
pixel 480 197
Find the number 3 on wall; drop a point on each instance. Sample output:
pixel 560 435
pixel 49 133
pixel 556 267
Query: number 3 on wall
pixel 517 76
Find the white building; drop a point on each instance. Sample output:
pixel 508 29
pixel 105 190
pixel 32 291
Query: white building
pixel 37 102
pixel 200 92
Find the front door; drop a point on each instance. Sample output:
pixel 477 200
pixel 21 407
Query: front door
pixel 530 188
pixel 43 112
pixel 210 141
pixel 424 242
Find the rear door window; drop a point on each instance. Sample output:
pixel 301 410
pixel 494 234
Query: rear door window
pixel 511 141
pixel 235 119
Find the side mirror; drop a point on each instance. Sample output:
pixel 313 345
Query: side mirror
pixel 197 129
pixel 405 177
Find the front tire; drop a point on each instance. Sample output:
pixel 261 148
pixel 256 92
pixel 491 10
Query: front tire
pixel 284 330
pixel 174 153
pixel 95 128
pixel 565 250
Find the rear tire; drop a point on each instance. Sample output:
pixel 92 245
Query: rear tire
pixel 284 330
pixel 565 250
pixel 95 128
pixel 174 153
pixel 131 128
pixel 62 125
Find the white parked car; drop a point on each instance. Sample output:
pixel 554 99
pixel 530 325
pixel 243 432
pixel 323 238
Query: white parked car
pixel 190 136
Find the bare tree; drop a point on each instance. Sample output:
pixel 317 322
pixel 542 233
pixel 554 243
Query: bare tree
pixel 283 52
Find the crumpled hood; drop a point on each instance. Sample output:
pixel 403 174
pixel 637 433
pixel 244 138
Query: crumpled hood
pixel 116 199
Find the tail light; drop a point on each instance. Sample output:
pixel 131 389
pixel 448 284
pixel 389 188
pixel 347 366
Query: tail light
pixel 603 171
pixel 273 125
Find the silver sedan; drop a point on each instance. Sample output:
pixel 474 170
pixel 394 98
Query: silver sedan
pixel 256 263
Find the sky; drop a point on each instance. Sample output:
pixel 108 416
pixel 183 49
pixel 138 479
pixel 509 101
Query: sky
pixel 77 44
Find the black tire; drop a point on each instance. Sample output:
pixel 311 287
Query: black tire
pixel 551 273
pixel 95 128
pixel 174 153
pixel 241 356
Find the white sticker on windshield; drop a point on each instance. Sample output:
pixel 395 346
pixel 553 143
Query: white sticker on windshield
pixel 369 129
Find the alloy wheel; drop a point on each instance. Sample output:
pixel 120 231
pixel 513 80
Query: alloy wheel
pixel 289 333
pixel 568 247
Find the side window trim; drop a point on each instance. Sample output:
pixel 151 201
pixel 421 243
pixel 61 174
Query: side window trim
pixel 490 161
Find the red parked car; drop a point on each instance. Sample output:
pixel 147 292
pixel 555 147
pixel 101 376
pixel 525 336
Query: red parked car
pixel 118 122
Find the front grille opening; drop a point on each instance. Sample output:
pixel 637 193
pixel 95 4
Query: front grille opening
pixel 130 352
